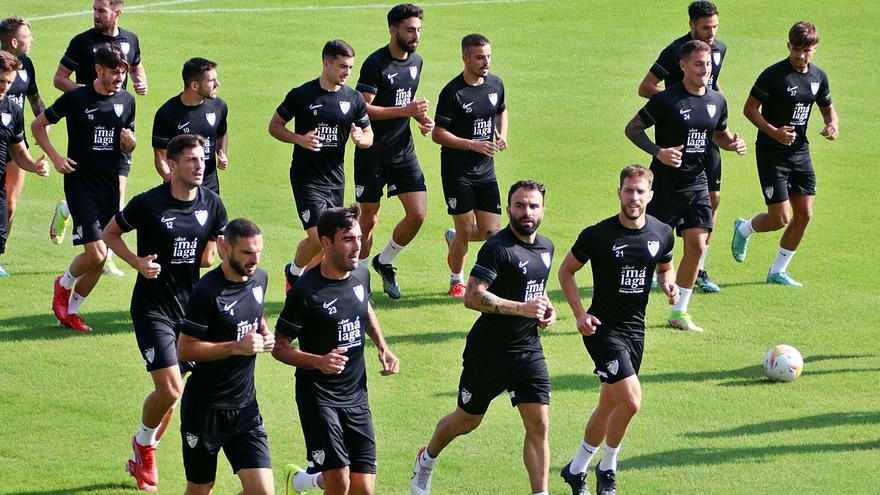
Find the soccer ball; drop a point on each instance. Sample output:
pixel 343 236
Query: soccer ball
pixel 783 363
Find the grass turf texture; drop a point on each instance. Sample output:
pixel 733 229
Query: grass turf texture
pixel 710 423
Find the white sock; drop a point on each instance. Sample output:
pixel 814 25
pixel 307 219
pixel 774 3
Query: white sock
pixel 745 228
pixel 783 258
pixel 67 280
pixel 541 493
pixel 426 460
pixel 65 212
pixel 703 259
pixel 303 481
pixel 581 460
pixel 146 435
pixel 609 458
pixel 684 297
pixel 392 249
pixel 456 278
pixel 295 270
pixel 76 301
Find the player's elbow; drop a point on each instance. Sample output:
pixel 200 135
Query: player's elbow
pixel 644 91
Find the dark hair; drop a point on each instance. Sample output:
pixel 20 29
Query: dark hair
pixel 8 62
pixel 110 56
pixel 530 184
pixel 335 219
pixel 195 68
pixel 473 40
pixel 636 171
pixel 238 228
pixel 337 48
pixel 691 47
pixel 402 12
pixel 116 3
pixel 8 29
pixel 803 35
pixel 183 142
pixel 701 8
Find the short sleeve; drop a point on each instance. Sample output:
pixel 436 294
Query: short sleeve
pixel 221 127
pixel 220 218
pixel 368 81
pixel 136 45
pixel 161 133
pixel 70 59
pixel 490 261
pixel 722 117
pixel 198 311
pixel 62 107
pixel 17 125
pixel 664 64
pixel 287 109
pixel 823 96
pixel 445 108
pixel 32 80
pixel 361 120
pixel 652 110
pixel 668 244
pixel 502 106
pixel 582 248
pixel 763 86
pixel 129 120
pixel 133 215
pixel 290 321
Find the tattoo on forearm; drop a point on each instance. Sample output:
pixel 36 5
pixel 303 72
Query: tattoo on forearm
pixel 635 131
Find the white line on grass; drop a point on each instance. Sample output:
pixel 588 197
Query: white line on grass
pixel 133 8
pixel 317 8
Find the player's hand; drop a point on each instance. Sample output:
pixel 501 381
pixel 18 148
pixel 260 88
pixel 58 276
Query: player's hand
pixel 252 343
pixel 140 87
pixel 535 308
pixel 63 164
pixel 549 316
pixel 670 156
pixel 356 134
pixel 310 140
pixel 268 341
pixel 587 324
pixel 417 107
pixel 390 363
pixel 487 148
pixel 127 141
pixel 426 126
pixel 785 135
pixel 147 268
pixel 738 144
pixel 829 132
pixel 500 141
pixel 671 291
pixel 332 363
pixel 222 160
pixel 41 166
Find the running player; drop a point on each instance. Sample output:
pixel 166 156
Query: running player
pixel 779 106
pixel 626 250
pixel 328 311
pixel 703 26
pixel 687 116
pixel 196 110
pixel 326 114
pixel 388 81
pixel 471 126
pixel 224 329
pixel 177 223
pixel 503 352
pixel 100 139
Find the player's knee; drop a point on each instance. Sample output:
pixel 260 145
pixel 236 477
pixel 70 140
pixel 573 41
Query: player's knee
pixel 170 392
pixel 804 216
pixel 368 222
pixel 336 482
pixel 463 234
pixel 96 254
pixel 780 220
pixel 538 427
pixel 467 424
pixel 415 218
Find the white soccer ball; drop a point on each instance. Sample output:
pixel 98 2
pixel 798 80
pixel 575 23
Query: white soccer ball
pixel 783 363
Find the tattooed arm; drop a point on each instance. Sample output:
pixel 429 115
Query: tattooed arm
pixel 478 298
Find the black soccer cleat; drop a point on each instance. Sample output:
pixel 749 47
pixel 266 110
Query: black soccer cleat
pixel 606 482
pixel 289 278
pixel 389 279
pixel 577 482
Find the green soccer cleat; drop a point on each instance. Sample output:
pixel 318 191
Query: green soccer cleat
pixel 783 278
pixel 59 224
pixel 3 273
pixel 705 283
pixel 111 269
pixel 740 242
pixel 290 474
pixel 683 321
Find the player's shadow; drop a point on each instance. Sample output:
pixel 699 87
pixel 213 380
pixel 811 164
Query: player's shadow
pixel 827 420
pixel 45 326
pixel 80 490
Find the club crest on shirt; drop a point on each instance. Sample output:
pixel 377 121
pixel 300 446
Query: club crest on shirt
pixel 344 106
pixel 768 191
pixel 465 396
pixel 359 292
pixel 258 294
pixel 716 56
pixel 711 110
pixel 201 216
pixel 493 98
pixel 612 367
pixel 22 74
pixel 413 71
pixel 318 456
pixel 117 108
pixel 150 354
pixel 653 247
pixel 814 87
pixel 6 118
pixel 211 118
pixel 125 47
pixel 545 257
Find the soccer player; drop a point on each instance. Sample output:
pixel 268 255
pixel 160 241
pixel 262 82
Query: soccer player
pixel 625 249
pixel 328 311
pixel 503 352
pixel 196 110
pixel 12 146
pixel 388 81
pixel 471 126
pixel 100 139
pixel 704 26
pixel 779 106
pixel 177 223
pixel 326 114
pixel 224 329
pixel 16 38
pixel 687 116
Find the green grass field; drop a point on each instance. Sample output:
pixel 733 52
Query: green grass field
pixel 710 422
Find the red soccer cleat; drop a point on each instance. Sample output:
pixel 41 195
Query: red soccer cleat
pixel 142 466
pixel 457 290
pixel 74 322
pixel 60 298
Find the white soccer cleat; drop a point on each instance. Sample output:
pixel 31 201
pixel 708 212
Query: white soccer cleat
pixel 420 483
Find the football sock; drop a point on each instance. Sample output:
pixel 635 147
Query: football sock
pixel 76 301
pixel 609 458
pixel 684 297
pixel 582 458
pixel 426 460
pixel 392 249
pixel 67 279
pixel 703 258
pixel 745 228
pixel 295 270
pixel 456 278
pixel 146 436
pixel 541 493
pixel 303 481
pixel 783 258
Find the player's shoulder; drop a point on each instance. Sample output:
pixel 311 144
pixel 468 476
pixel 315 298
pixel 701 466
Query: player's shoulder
pixel 379 57
pixel 84 37
pixel 211 283
pixel 815 69
pixel 494 81
pixel 454 85
pixel 715 95
pixel 657 226
pixel 361 274
pixel 261 277
pixel 503 239
pixel 170 105
pixel 543 242
pixel 719 45
pixel 349 92
pixel 129 35
pixel 26 63
pixel 153 196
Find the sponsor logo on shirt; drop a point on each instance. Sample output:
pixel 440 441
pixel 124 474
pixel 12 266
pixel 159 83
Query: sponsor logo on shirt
pixel 402 97
pixel 103 139
pixel 534 288
pixel 801 114
pixel 184 251
pixel 245 327
pixel 632 279
pixel 483 129
pixel 328 133
pixel 696 142
pixel 349 333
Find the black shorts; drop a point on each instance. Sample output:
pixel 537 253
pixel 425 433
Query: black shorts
pixel 312 199
pixel 682 210
pixel 337 437
pixel 485 375
pixel 239 432
pixel 784 172
pixel 157 340
pixel 4 224
pixel 403 175
pixel 90 212
pixel 463 195
pixel 713 166
pixel 212 182
pixel 616 356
